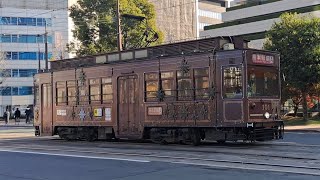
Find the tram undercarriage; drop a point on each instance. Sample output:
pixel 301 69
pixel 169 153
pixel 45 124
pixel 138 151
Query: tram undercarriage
pixel 181 135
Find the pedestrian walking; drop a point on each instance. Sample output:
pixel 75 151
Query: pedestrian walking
pixel 17 115
pixel 8 116
pixel 28 114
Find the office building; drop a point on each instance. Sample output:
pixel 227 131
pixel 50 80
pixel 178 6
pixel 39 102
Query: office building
pixel 252 19
pixel 23 25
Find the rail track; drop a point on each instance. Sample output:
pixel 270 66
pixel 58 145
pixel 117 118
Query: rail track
pixel 221 157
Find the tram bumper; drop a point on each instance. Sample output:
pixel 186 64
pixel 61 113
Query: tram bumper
pixel 263 131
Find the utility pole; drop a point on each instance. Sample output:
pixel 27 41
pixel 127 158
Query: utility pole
pixel 39 57
pixel 46 46
pixel 119 27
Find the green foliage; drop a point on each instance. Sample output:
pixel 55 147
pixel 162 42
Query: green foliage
pixel 297 39
pixel 96 28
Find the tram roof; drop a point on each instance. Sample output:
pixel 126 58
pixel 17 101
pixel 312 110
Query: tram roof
pixel 172 49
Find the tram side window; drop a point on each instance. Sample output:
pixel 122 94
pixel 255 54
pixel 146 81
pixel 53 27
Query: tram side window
pixel 61 93
pixel 94 90
pixel 201 79
pixel 71 91
pixel 167 79
pixel 151 86
pixel 107 94
pixel 185 90
pixel 83 93
pixel 232 82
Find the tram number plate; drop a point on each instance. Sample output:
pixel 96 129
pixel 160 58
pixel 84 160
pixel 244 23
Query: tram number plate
pixel 154 111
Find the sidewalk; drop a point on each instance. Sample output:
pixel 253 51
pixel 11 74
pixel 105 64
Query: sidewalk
pixel 11 123
pixel 307 128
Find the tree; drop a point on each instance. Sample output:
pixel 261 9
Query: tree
pixel 297 39
pixel 96 30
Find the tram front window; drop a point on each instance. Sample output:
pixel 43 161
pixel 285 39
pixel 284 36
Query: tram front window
pixel 263 82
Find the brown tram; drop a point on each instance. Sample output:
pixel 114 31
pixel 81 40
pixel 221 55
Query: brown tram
pixel 213 89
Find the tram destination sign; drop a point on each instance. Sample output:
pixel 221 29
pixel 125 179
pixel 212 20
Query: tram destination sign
pixel 262 59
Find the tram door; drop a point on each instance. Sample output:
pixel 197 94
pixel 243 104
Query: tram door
pixel 230 103
pixel 46 109
pixel 128 106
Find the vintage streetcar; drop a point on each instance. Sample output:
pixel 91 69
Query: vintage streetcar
pixel 212 89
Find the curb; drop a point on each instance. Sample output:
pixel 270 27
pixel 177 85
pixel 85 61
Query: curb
pixel 24 126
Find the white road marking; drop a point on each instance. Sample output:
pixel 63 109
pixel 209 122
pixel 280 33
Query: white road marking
pixel 75 156
pixel 246 167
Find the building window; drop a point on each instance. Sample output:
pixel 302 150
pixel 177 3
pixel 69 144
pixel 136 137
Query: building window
pixel 185 90
pixel 15 91
pixel 20 38
pixel 210 14
pixel 5 38
pixel 94 90
pixel 26 56
pixel 27 72
pixel 201 82
pixel 5 91
pixel 5 20
pixel 151 86
pixel 25 21
pixel 71 91
pixel 107 94
pixel 25 90
pixel 61 93
pixel 5 73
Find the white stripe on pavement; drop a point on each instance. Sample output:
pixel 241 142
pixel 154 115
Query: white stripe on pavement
pixel 75 156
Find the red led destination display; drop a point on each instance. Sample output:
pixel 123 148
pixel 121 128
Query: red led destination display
pixel 262 59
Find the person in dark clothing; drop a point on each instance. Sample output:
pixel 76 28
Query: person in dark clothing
pixel 17 115
pixel 28 113
pixel 5 117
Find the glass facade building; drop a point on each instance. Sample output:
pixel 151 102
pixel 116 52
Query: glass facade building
pixel 23 26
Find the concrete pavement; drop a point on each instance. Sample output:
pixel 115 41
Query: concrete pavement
pixel 306 128
pixel 12 123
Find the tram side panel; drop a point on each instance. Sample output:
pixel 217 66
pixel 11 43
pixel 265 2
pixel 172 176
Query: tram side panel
pixel 43 117
pixel 81 108
pixel 185 102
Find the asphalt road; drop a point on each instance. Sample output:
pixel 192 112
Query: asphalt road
pixel 19 166
pixel 311 138
pixel 32 164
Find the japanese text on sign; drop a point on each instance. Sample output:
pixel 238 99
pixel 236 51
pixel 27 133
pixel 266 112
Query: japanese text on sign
pixel 262 59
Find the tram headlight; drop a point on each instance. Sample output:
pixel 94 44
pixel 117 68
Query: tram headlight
pixel 267 115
